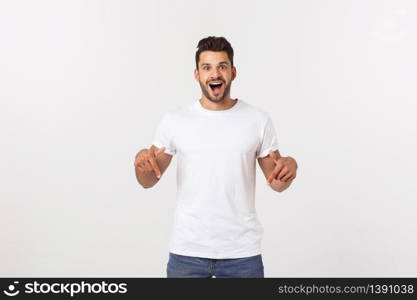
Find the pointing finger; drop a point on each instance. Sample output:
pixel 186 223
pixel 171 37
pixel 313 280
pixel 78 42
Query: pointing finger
pixel 274 173
pixel 155 167
pixel 273 155
pixel 148 167
pixel 159 151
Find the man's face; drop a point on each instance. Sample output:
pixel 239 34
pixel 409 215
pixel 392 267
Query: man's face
pixel 215 75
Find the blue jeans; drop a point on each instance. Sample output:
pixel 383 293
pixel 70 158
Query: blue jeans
pixel 199 267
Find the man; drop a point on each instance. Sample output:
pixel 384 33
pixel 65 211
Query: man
pixel 217 140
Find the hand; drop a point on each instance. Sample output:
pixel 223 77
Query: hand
pixel 285 168
pixel 145 160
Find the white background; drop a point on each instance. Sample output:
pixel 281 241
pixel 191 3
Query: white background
pixel 83 85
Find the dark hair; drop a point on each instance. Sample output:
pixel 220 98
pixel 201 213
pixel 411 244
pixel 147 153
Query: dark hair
pixel 213 43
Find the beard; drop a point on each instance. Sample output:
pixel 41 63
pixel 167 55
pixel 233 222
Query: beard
pixel 213 98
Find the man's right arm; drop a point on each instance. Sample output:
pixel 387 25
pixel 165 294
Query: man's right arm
pixel 149 163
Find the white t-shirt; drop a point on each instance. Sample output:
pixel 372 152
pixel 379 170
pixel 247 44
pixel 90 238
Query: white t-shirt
pixel 216 154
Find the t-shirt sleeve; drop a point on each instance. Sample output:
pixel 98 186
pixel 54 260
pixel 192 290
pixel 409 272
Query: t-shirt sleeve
pixel 269 139
pixel 163 136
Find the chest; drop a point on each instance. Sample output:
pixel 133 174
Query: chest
pixel 217 135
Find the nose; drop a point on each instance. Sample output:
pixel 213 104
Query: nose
pixel 215 74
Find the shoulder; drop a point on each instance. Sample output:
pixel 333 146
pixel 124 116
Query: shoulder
pixel 179 110
pixel 172 116
pixel 255 112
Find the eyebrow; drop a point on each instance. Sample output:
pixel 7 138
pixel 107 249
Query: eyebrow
pixel 220 63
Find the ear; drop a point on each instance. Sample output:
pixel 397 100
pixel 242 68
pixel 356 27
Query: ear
pixel 196 75
pixel 234 72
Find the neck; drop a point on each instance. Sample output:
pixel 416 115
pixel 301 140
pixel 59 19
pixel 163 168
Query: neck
pixel 226 103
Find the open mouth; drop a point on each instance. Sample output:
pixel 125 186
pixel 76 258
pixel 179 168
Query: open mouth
pixel 216 87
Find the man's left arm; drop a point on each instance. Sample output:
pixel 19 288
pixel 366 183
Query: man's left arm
pixel 279 171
